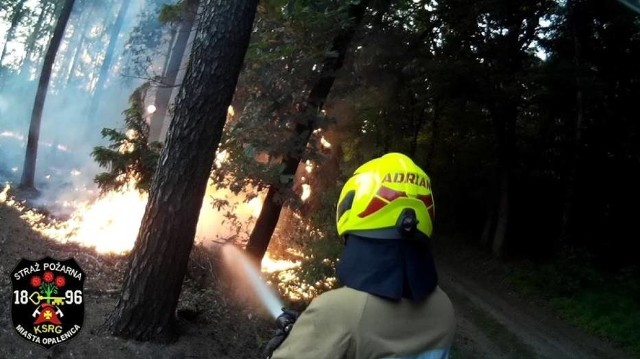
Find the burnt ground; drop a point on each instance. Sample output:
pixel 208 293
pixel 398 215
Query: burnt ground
pixel 217 321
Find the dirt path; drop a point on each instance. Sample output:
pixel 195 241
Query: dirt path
pixel 496 323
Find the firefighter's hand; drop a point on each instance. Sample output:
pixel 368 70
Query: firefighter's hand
pixel 286 319
pixel 285 322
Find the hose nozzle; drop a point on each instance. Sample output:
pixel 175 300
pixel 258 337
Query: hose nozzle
pixel 286 319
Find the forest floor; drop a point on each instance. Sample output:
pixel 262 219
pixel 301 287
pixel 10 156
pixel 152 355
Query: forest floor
pixel 216 322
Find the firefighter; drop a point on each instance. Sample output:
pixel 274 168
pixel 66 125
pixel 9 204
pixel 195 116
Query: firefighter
pixel 390 305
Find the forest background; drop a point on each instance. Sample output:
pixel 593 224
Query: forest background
pixel 523 114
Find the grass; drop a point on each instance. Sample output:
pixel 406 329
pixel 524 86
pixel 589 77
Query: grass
pixel 610 313
pixel 603 304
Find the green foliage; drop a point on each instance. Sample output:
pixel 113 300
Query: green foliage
pixel 145 43
pixel 317 270
pixel 282 63
pixel 605 304
pixel 314 236
pixel 321 260
pixel 171 13
pixel 564 276
pixel 611 312
pixel 129 157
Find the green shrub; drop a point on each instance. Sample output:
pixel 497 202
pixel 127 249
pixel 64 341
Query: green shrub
pixel 604 304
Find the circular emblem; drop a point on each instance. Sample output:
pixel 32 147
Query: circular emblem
pixel 47 306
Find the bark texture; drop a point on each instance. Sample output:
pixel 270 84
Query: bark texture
pixel 29 168
pixel 157 264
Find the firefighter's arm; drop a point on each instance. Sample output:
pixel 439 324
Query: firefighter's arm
pixel 320 332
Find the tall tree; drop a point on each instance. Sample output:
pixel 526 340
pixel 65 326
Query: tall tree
pixel 574 152
pixel 18 14
pixel 494 38
pixel 29 168
pixel 157 265
pixel 108 59
pixel 41 29
pixel 187 17
pixel 273 202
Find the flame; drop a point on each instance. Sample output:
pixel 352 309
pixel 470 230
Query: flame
pixel 324 142
pixel 290 285
pixel 221 157
pixel 3 194
pixel 271 265
pixel 308 166
pixel 306 192
pixel 110 222
pixel 17 136
pixel 286 275
pixel 255 205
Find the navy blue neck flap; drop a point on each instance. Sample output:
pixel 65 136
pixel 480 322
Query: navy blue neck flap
pixel 389 268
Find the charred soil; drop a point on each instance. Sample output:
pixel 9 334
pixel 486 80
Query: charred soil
pixel 213 319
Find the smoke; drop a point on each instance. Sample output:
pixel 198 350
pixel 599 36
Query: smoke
pixel 69 132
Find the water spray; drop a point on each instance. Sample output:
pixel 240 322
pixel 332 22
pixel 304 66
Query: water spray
pixel 285 318
pixel 266 294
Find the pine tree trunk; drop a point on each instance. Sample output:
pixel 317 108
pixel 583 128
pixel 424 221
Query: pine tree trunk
pixel 147 304
pixel 29 168
pixel 268 218
pixel 266 223
pixel 163 96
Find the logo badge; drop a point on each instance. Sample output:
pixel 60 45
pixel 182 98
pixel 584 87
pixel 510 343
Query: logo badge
pixel 47 305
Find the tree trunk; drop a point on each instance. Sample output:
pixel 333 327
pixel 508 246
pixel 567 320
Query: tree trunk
pixel 489 227
pixel 570 181
pixel 48 9
pixel 11 34
pixel 505 115
pixel 163 96
pixel 106 63
pixel 268 218
pixel 502 223
pixel 76 44
pixel 157 265
pixel 29 168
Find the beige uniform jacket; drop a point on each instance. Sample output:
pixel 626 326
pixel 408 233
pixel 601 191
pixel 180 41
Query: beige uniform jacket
pixel 347 323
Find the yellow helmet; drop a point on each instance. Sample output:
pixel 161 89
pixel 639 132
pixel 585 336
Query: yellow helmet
pixel 387 197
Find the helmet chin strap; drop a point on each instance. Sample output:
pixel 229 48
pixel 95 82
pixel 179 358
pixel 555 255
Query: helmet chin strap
pixel 407 223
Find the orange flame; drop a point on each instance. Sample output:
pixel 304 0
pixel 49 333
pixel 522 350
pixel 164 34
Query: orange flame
pixel 111 222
